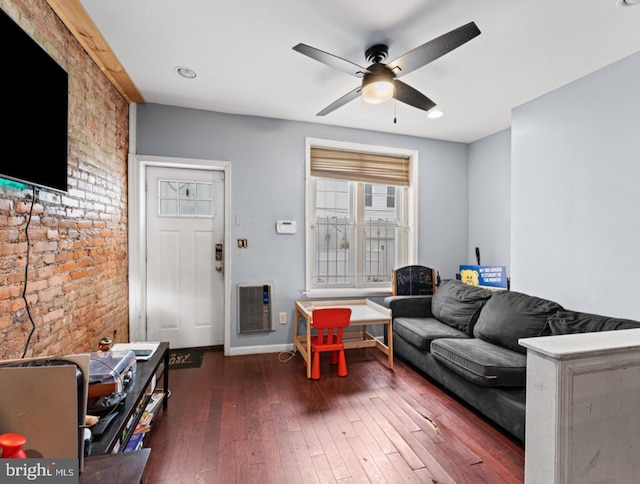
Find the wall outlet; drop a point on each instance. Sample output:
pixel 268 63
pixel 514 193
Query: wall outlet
pixel 283 318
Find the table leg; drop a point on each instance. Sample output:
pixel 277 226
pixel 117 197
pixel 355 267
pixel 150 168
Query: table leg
pixel 297 340
pixel 165 400
pixel 390 342
pixel 309 347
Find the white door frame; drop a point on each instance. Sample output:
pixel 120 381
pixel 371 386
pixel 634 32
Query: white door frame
pixel 137 170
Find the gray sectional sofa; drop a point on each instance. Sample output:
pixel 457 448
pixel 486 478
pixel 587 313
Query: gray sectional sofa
pixel 465 338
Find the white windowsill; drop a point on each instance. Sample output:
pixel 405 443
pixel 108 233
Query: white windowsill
pixel 342 293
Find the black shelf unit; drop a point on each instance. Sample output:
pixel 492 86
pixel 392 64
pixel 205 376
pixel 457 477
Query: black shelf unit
pixel 120 429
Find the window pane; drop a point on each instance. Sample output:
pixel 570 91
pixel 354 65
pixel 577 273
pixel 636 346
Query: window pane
pixel 333 234
pixel 334 262
pixel 205 190
pixel 187 207
pixel 168 189
pixel 185 198
pixel 168 207
pixel 187 190
pixel 368 195
pixel 379 233
pixel 357 243
pixel 332 198
pixel 391 197
pixel 204 208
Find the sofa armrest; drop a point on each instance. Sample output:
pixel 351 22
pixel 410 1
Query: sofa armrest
pixel 409 306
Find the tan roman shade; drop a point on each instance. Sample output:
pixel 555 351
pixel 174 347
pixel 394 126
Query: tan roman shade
pixel 358 166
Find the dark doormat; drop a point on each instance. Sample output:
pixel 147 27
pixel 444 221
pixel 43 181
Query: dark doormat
pixel 185 358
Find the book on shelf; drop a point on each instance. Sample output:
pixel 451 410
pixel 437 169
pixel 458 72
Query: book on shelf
pixel 154 402
pixel 144 424
pixel 135 443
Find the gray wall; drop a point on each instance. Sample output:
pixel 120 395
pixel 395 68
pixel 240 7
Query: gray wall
pixel 490 200
pixel 268 167
pixel 575 178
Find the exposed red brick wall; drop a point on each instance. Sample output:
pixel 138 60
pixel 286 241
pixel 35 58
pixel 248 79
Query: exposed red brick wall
pixel 77 289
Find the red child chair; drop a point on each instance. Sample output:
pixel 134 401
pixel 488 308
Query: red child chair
pixel 330 324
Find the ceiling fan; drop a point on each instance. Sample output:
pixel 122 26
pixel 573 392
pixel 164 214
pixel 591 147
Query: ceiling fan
pixel 380 81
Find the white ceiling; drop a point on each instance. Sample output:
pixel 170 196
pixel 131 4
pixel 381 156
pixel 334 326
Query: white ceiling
pixel 242 53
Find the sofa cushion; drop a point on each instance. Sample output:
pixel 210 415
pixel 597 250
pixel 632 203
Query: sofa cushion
pixel 458 304
pixel 409 306
pixel 420 332
pixel 482 362
pixel 509 316
pixel 571 322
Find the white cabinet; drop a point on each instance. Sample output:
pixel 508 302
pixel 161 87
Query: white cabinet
pixel 583 408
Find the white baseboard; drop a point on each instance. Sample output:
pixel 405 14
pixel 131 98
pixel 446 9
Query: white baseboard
pixel 255 350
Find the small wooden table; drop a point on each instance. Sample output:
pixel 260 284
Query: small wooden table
pixel 363 313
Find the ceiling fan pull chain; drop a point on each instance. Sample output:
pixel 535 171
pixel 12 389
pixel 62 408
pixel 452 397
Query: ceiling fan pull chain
pixel 395 105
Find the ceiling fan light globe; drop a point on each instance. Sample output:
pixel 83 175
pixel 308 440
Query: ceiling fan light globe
pixel 377 92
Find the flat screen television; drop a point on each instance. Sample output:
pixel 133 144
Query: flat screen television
pixel 37 126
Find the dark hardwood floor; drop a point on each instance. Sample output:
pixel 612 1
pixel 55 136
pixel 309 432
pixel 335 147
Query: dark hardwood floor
pixel 258 419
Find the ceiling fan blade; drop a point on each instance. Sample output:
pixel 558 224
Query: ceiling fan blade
pixel 412 97
pixel 331 60
pixel 350 96
pixel 433 49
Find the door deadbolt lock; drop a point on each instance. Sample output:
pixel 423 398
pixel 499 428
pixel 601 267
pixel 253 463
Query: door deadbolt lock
pixel 218 252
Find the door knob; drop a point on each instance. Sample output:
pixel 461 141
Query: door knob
pixel 219 268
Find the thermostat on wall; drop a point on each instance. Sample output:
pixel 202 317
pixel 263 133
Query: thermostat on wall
pixel 286 226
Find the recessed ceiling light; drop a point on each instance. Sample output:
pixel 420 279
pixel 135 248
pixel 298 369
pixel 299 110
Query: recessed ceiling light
pixel 435 113
pixel 629 3
pixel 186 72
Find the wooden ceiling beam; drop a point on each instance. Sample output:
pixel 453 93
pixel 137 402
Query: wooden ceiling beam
pixel 75 17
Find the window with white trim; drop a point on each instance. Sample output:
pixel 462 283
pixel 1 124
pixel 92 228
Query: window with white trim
pixel 361 216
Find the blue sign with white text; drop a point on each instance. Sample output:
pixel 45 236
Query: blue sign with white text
pixel 489 277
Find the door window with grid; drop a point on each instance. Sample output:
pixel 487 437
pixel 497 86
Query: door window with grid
pixel 358 206
pixel 179 198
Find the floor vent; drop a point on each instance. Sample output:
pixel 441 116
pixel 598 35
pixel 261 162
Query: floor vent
pixel 254 308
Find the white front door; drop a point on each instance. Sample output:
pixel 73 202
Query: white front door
pixel 185 256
